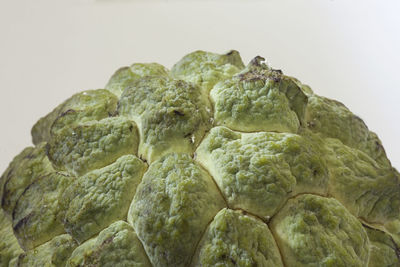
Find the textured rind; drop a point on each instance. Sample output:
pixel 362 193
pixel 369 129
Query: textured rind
pixel 333 119
pixel 259 99
pixel 81 107
pixel 236 239
pixel 383 250
pixel 117 245
pixel 54 253
pixel 172 116
pixel 101 197
pixel 90 182
pixel 205 69
pixel 92 145
pixel 365 188
pixel 126 75
pixel 25 168
pixel 9 247
pixel 172 207
pixel 316 231
pixel 37 213
pixel 257 172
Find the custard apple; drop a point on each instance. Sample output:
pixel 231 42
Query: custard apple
pixel 211 163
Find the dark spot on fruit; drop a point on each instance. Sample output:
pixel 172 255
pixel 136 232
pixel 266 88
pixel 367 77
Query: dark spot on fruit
pixel 69 111
pixel 148 189
pixel 378 145
pixel 310 124
pixel 142 159
pixel 107 241
pixel 275 75
pixel 21 223
pixel 21 257
pixel 29 156
pixel 257 61
pixel 177 112
pixel 278 71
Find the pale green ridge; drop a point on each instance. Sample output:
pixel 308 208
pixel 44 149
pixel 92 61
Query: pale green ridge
pixel 316 231
pixel 393 228
pixel 259 99
pixel 383 250
pixel 86 253
pixel 117 245
pixel 367 189
pixel 205 69
pixel 84 106
pixel 37 213
pixel 93 144
pixel 9 247
pixel 257 172
pixel 29 165
pixel 13 262
pixel 95 200
pixel 172 115
pixel 332 119
pixel 54 253
pixel 304 87
pixel 236 239
pixel 126 75
pixel 172 207
pixel 9 173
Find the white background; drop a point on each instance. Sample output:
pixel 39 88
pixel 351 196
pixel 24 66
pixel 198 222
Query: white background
pixel 346 50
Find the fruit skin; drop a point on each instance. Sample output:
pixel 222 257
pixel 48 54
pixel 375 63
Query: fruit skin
pixel 211 163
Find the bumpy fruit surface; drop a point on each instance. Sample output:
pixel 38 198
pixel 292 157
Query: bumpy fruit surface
pixel 211 163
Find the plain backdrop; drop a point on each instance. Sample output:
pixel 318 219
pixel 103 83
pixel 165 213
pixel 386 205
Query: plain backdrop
pixel 49 50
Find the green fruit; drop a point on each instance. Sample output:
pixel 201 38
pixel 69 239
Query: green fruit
pixel 210 163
